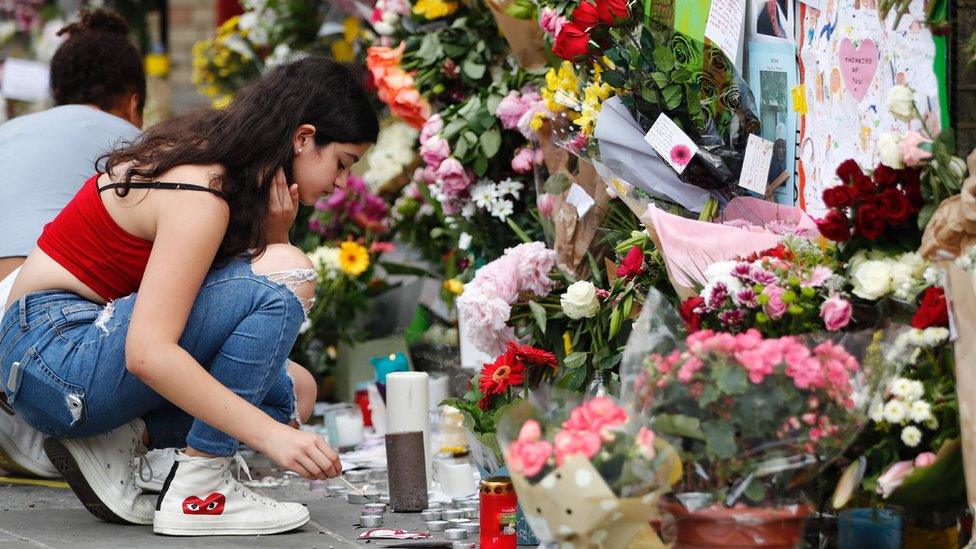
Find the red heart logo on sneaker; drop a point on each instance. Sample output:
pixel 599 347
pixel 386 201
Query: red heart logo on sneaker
pixel 213 505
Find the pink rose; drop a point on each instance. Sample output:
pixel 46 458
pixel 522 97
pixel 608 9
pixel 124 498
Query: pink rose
pixel 523 160
pixel 568 443
pixel 431 127
pixel 645 441
pixel 546 203
pixel 911 150
pixel 454 177
pixel 528 455
pixel 775 307
pixel 924 459
pixel 893 477
pixel 435 150
pixel 836 313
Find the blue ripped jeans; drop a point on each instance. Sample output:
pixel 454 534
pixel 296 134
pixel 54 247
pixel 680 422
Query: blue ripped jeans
pixel 62 359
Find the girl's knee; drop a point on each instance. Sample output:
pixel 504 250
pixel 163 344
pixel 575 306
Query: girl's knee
pixel 306 390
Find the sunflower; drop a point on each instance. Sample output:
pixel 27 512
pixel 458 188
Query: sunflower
pixel 498 376
pixel 353 258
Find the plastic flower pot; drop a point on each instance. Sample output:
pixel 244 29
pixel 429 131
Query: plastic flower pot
pixel 769 527
pixel 878 528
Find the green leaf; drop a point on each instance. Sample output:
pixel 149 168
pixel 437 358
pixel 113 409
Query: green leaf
pixel 492 103
pixel 710 394
pixel 650 95
pixel 672 96
pixel 755 492
pixel 430 49
pixel 491 141
pixel 521 9
pixel 614 323
pixel 473 69
pixel 678 425
pixel 663 58
pixel 480 166
pixel 660 79
pixel 681 75
pixel 557 183
pixel 574 360
pixel 453 128
pixel 614 79
pixel 575 379
pixel 731 380
pixel 539 314
pixel 460 148
pixel 719 438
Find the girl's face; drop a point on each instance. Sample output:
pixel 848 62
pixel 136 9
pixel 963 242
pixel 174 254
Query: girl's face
pixel 318 170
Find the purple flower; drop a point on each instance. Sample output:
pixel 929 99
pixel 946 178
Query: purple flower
pixel 762 276
pixel 741 271
pixel 747 297
pixel 731 317
pixel 718 296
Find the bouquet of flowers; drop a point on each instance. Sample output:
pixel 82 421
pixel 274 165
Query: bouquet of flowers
pixel 793 288
pixel 586 473
pixel 752 415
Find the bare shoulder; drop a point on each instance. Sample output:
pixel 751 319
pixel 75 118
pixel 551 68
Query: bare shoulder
pixel 191 202
pixel 197 174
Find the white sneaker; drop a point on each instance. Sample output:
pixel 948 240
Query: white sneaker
pixel 159 462
pixel 202 498
pixel 22 448
pixel 102 472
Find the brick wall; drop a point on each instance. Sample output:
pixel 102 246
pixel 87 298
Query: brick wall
pixel 189 21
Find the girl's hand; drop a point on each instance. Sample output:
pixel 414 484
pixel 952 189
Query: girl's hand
pixel 282 209
pixel 302 452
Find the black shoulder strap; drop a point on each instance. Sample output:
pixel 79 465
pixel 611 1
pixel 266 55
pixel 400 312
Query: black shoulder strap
pixel 163 185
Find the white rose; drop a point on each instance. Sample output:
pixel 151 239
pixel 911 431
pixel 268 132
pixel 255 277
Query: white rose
pixel 901 279
pixel 895 411
pixel 915 262
pixel 901 103
pixel 911 436
pixel 871 279
pixel 889 150
pixel 921 411
pixel 580 300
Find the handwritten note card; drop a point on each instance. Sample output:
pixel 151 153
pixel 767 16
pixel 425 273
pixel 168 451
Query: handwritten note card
pixel 581 199
pixel 755 164
pixel 725 25
pixel 24 80
pixel 674 145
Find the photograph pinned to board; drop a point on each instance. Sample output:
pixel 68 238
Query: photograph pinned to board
pixel 771 20
pixel 772 74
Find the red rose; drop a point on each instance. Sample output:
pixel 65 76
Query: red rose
pixel 613 12
pixel 913 191
pixel 835 226
pixel 864 188
pixel 885 176
pixel 572 44
pixel 869 221
pixel 895 207
pixel 633 264
pixel 689 315
pixel 910 177
pixel 840 196
pixel 932 311
pixel 585 15
pixel 848 169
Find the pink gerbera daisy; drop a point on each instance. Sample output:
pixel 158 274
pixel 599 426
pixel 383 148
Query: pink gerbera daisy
pixel 680 155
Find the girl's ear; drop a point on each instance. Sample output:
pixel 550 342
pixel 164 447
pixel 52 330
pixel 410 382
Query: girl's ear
pixel 304 138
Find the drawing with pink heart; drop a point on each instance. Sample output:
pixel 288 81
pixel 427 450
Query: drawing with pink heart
pixel 858 66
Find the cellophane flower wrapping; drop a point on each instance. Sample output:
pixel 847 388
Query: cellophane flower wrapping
pixel 587 470
pixel 753 418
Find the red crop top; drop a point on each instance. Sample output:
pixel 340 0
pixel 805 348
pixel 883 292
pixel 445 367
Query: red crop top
pixel 85 240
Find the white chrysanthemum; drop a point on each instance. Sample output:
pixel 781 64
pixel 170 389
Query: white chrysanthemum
pixel 921 411
pixel 483 194
pixel 932 337
pixel 510 186
pixel 720 269
pixel 911 436
pixel 900 387
pixel 895 411
pixel 915 391
pixel 468 210
pixel 502 208
pixel 326 258
pixel 877 412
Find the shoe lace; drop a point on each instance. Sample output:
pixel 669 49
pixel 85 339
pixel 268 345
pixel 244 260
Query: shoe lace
pixel 240 487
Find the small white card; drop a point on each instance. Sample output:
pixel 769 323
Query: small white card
pixel 725 25
pixel 755 164
pixel 581 199
pixel 674 145
pixel 25 80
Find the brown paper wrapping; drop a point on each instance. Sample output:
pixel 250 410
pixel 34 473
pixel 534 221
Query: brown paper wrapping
pixel 524 37
pixel 950 232
pixel 574 236
pixel 578 508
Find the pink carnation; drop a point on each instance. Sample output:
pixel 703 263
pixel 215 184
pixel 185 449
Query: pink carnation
pixel 597 415
pixel 523 160
pixel 510 110
pixel 551 21
pixel 528 455
pixel 569 443
pixel 645 441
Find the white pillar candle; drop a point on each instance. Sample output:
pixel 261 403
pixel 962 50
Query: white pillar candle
pixel 456 478
pixel 349 430
pixel 407 408
pixel 439 389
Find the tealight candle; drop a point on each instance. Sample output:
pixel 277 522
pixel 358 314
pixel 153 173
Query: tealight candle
pixel 371 521
pixel 431 514
pixel 455 533
pixel 437 525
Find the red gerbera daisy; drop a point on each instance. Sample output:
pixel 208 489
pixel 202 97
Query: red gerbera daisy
pixel 531 356
pixel 498 376
pixel 680 155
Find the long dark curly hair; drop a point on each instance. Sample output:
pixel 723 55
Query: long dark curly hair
pixel 98 63
pixel 252 138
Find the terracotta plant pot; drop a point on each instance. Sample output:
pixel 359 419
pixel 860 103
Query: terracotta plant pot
pixel 771 527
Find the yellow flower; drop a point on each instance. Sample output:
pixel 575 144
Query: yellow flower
pixel 351 29
pixel 434 9
pixel 353 258
pixel 454 286
pixel 222 101
pixel 537 120
pixel 342 52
